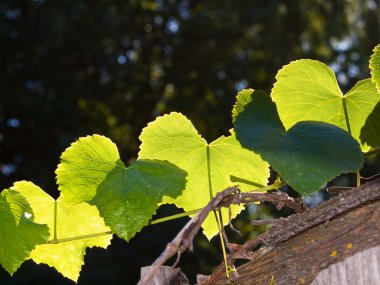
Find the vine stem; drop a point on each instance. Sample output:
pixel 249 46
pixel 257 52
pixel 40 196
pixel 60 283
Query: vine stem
pixel 173 217
pixel 61 240
pixel 373 151
pixel 55 220
pixel 346 115
pixel 219 222
pixel 56 240
pixel 153 222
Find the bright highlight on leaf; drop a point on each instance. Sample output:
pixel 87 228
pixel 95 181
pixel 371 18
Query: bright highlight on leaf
pixel 71 221
pixel 374 65
pixel 210 167
pixel 307 155
pixel 91 171
pixel 19 234
pixel 242 99
pixel 307 90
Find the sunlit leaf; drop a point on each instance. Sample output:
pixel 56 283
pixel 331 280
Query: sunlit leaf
pixel 307 90
pixel 127 197
pixel 19 233
pixel 210 167
pixel 71 221
pixel 374 65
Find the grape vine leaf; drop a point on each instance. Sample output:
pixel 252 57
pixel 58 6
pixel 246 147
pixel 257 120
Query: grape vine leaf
pixel 127 197
pixel 307 155
pixel 374 65
pixel 71 221
pixel 242 99
pixel 19 233
pixel 210 167
pixel 371 131
pixel 308 90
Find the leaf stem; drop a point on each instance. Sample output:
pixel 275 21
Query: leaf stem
pixel 56 240
pixel 275 185
pixel 61 240
pixel 219 222
pixel 209 172
pixel 55 220
pixel 357 178
pixel 346 115
pixel 173 217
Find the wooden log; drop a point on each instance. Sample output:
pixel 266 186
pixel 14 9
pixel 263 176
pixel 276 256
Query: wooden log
pixel 300 258
pixel 363 268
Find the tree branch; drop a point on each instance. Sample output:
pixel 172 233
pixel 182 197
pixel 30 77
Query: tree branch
pixel 226 198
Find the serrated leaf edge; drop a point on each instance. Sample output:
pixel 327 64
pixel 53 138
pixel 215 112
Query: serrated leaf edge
pixel 376 53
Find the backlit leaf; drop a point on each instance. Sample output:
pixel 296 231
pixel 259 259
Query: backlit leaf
pixel 210 167
pixel 127 197
pixel 19 233
pixel 71 221
pixel 307 155
pixel 307 90
pixel 374 65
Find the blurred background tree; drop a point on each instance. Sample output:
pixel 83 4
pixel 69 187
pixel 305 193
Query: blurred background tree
pixel 73 68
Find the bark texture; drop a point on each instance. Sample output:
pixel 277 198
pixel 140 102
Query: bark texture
pixel 303 245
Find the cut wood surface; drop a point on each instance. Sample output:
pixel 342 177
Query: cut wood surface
pixel 363 268
pixel 166 275
pixel 316 240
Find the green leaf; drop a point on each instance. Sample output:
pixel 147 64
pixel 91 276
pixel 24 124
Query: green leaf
pixel 210 167
pixel 242 99
pixel 307 155
pixel 370 133
pixel 91 171
pixel 374 65
pixel 307 90
pixel 19 233
pixel 71 221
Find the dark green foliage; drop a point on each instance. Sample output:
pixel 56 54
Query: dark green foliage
pixel 307 155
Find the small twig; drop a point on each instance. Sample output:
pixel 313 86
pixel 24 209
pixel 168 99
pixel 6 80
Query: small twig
pixel 219 272
pixel 230 222
pixel 177 259
pixel 367 179
pixel 226 241
pixel 338 189
pixel 184 238
pixel 226 198
pixel 363 180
